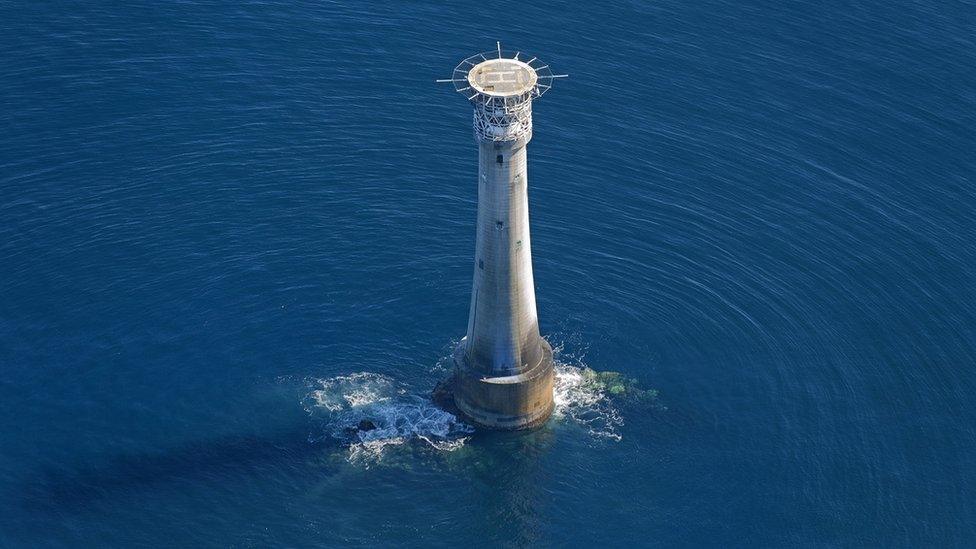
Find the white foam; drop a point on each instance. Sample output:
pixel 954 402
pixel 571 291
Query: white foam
pixel 359 389
pixel 398 417
pixel 371 451
pixel 579 400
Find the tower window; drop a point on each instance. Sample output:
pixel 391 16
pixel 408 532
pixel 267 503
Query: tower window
pixel 499 159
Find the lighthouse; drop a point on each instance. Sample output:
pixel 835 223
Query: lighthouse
pixel 503 368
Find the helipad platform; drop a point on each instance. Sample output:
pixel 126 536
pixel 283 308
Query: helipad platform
pixel 502 77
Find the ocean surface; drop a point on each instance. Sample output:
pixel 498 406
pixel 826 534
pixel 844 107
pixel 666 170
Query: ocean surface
pixel 231 230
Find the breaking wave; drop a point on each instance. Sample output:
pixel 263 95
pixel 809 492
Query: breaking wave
pixel 352 391
pixel 580 400
pixel 372 412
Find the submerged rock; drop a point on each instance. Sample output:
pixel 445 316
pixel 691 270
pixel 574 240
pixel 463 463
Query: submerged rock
pixel 364 426
pixel 616 384
pixel 443 396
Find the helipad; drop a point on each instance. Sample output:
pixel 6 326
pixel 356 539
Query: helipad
pixel 502 77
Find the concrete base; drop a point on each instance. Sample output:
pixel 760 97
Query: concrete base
pixel 510 403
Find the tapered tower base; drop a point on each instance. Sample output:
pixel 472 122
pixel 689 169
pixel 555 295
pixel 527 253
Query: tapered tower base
pixel 521 401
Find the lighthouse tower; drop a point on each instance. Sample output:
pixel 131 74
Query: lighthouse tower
pixel 503 376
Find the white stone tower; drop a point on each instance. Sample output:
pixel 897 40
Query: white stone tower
pixel 503 367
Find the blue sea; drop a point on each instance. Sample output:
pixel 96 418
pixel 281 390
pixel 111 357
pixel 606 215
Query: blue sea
pixel 229 231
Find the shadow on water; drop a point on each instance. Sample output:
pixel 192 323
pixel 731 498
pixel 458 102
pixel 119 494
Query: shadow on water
pixel 507 471
pixel 503 466
pixel 75 487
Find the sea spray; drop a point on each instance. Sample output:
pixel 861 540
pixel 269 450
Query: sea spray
pixel 584 403
pixel 395 416
pixel 373 413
